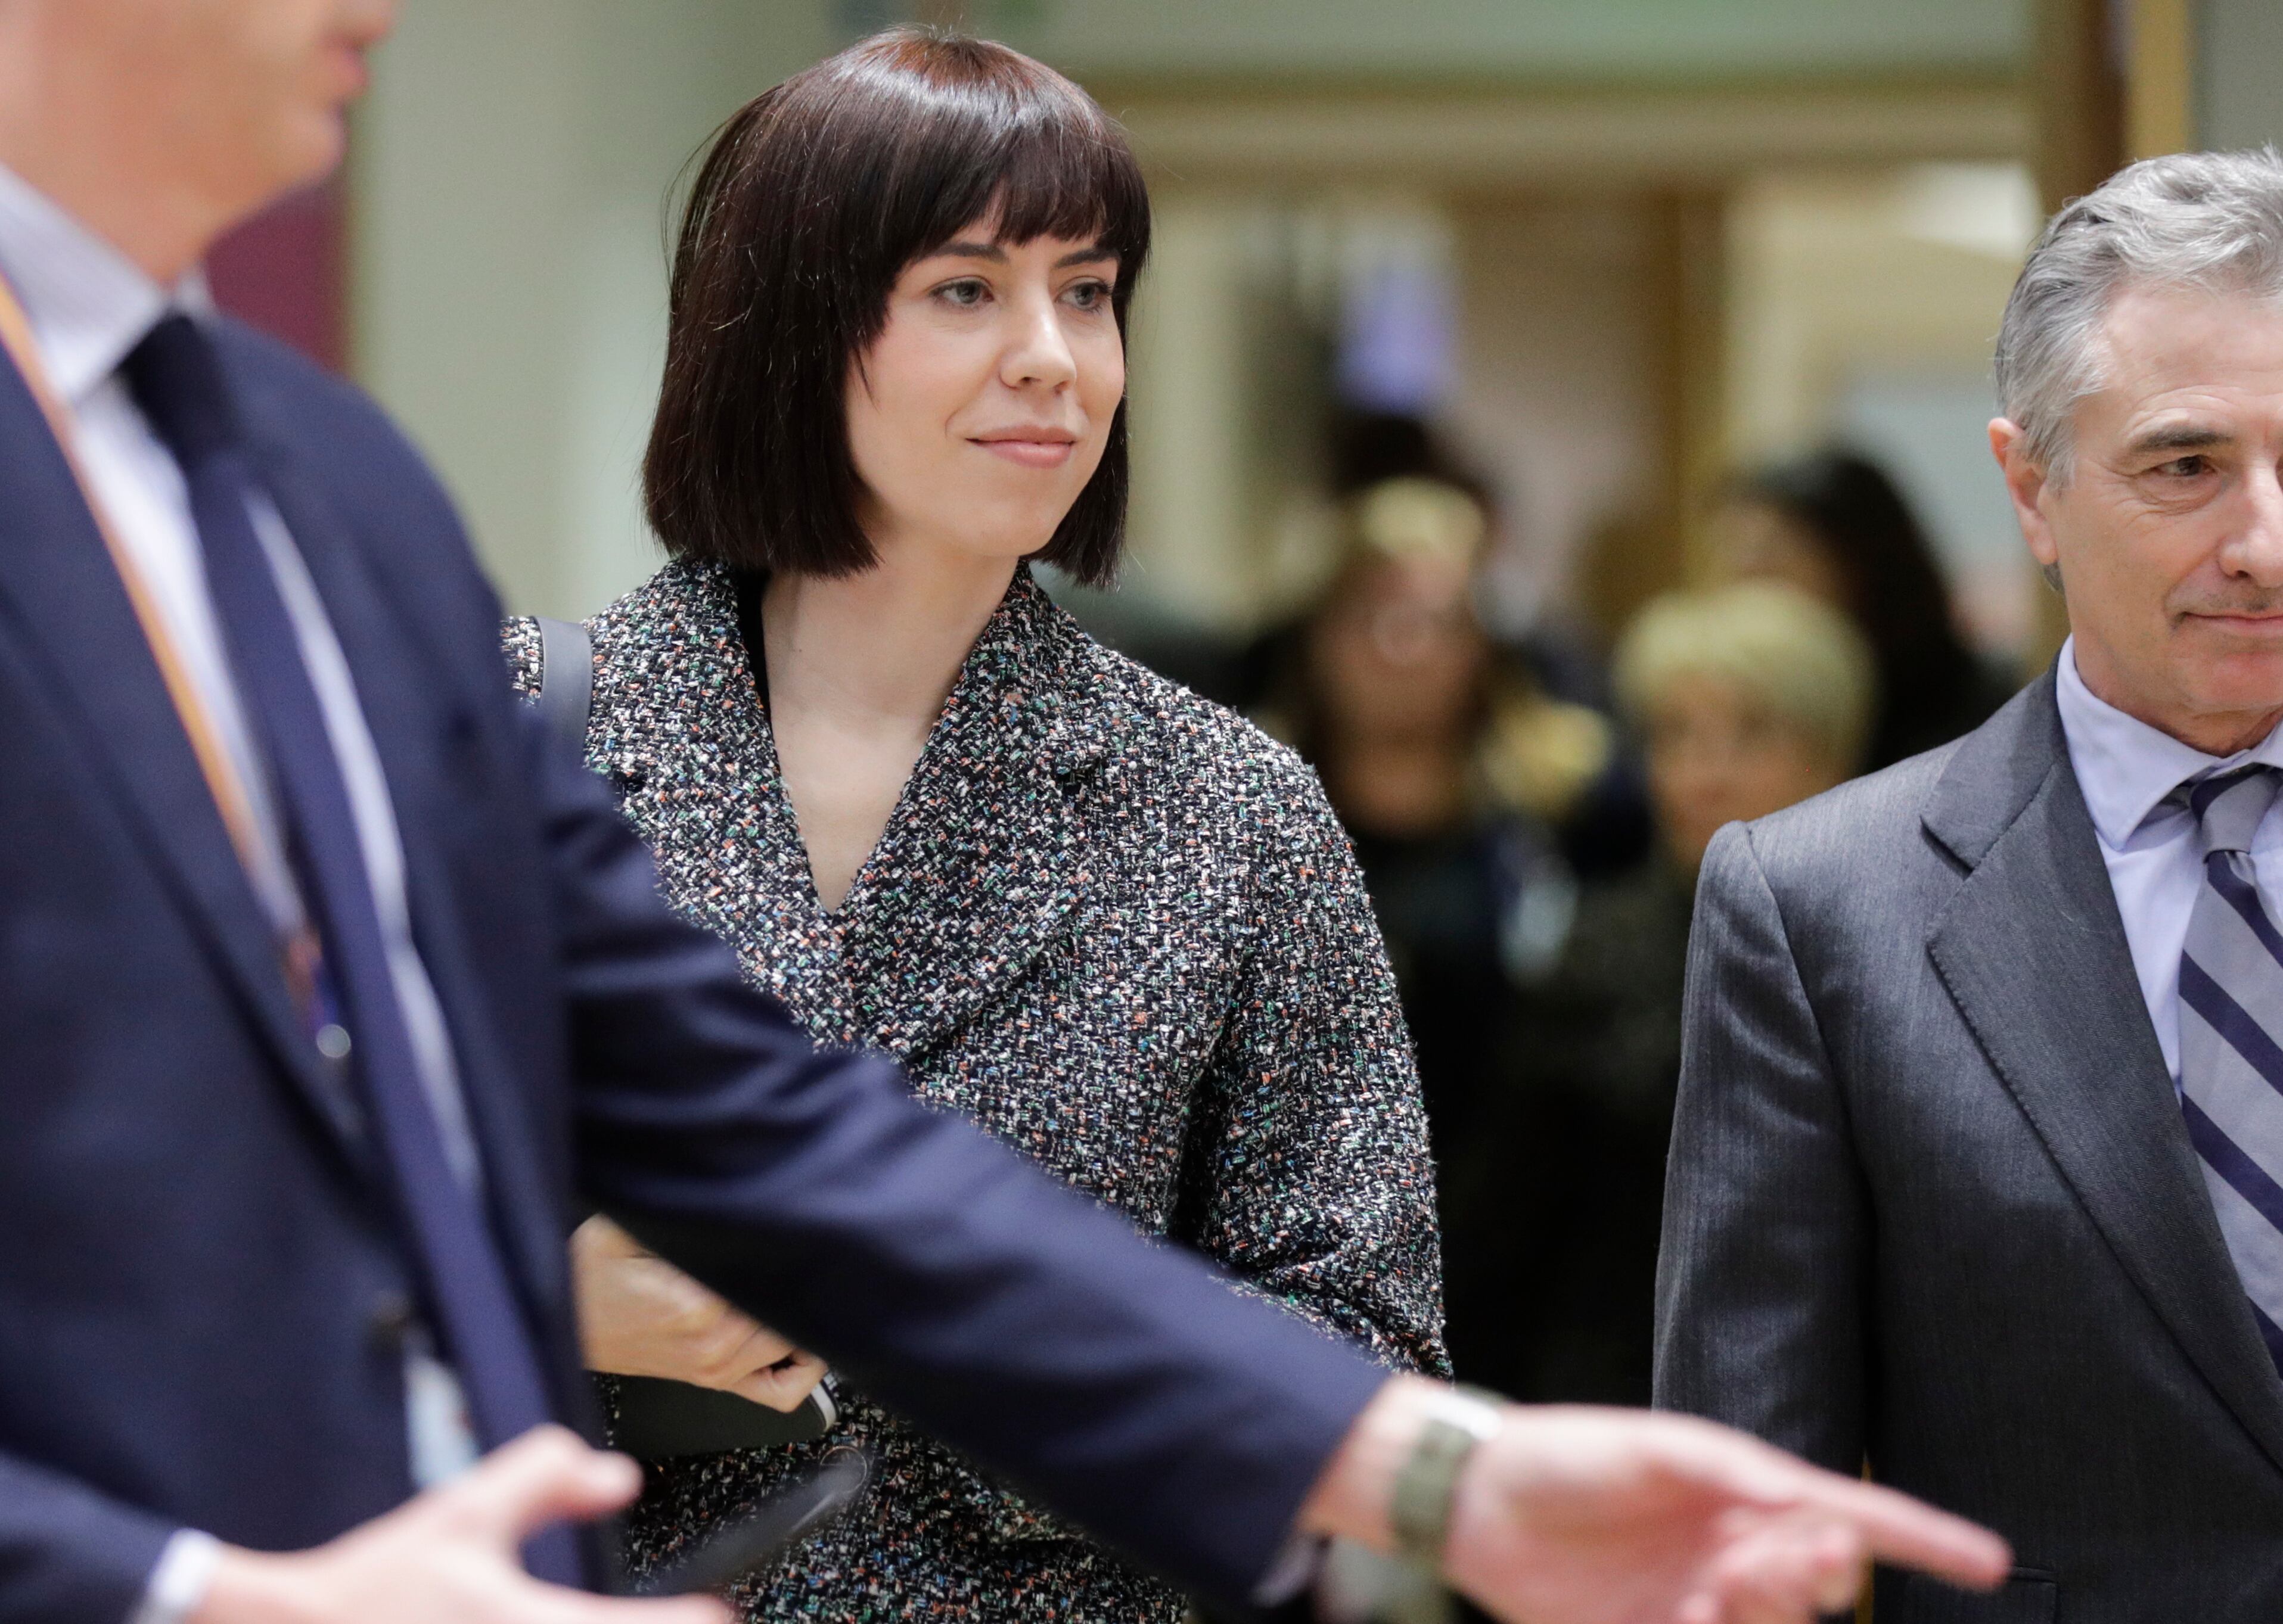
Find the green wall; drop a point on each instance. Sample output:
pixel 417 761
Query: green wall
pixel 1532 39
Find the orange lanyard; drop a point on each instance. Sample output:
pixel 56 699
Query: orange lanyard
pixel 221 774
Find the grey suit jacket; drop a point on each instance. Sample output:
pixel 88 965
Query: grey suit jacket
pixel 1931 1203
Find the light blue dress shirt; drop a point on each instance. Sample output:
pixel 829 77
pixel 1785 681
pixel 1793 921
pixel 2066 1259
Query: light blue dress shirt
pixel 2127 770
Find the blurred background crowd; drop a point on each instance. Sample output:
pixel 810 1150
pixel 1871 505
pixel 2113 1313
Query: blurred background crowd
pixel 1561 423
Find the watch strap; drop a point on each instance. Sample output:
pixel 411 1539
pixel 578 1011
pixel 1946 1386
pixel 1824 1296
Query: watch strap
pixel 1419 1508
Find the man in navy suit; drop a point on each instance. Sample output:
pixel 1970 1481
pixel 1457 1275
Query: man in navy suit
pixel 327 986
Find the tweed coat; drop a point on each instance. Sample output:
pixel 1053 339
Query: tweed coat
pixel 1110 922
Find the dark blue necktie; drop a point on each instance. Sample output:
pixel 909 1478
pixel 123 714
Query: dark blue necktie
pixel 178 381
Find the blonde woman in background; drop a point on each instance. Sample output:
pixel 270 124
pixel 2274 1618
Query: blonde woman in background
pixel 1747 698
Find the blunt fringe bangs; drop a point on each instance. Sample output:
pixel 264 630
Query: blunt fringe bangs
pixel 809 204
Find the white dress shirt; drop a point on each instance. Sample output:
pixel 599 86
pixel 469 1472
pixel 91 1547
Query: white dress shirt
pixel 2128 772
pixel 89 305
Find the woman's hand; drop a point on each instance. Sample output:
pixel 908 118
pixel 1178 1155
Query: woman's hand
pixel 640 1316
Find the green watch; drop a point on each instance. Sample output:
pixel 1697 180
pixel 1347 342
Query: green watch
pixel 1419 1510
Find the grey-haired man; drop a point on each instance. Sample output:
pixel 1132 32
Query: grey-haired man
pixel 1978 1170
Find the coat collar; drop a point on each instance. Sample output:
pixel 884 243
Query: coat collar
pixel 2032 950
pixel 420 733
pixel 982 860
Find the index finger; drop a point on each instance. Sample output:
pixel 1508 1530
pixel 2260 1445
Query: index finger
pixel 1911 1534
pixel 546 1475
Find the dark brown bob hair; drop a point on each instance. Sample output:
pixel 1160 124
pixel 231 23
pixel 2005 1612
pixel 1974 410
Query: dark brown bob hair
pixel 809 204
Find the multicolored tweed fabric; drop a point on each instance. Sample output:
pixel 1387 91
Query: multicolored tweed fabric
pixel 1113 924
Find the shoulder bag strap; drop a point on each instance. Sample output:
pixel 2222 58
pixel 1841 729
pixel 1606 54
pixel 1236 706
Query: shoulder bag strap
pixel 566 680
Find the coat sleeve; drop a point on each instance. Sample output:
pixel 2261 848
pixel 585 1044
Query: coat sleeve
pixel 1119 1381
pixel 69 1555
pixel 1761 1318
pixel 1309 1173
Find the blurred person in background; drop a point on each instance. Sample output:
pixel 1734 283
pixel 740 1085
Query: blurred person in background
pixel 1453 774
pixel 1833 524
pixel 1748 698
pixel 1107 920
pixel 1364 449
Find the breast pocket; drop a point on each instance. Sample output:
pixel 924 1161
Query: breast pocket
pixel 2030 1596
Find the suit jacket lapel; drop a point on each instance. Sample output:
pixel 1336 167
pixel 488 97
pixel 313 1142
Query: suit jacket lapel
pixel 984 860
pixel 383 641
pixel 65 600
pixel 2032 950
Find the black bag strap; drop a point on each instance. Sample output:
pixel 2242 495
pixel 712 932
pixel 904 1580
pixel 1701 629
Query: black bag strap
pixel 566 680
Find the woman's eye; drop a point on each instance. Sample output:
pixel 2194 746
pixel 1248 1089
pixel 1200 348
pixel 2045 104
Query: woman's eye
pixel 1089 295
pixel 966 293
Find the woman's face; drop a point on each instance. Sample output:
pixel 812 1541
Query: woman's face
pixel 1752 540
pixel 1396 655
pixel 982 409
pixel 1716 757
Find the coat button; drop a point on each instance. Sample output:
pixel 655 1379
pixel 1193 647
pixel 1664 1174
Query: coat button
pixel 390 1322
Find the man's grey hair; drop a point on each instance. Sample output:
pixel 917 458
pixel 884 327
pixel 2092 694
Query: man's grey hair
pixel 2211 221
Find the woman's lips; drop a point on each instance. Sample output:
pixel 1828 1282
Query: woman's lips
pixel 1030 453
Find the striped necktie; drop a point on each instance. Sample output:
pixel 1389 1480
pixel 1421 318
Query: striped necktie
pixel 2231 1059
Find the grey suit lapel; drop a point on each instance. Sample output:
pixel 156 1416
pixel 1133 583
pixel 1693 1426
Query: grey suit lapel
pixel 2032 951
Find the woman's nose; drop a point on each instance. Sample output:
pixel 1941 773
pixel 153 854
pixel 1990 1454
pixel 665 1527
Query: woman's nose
pixel 1039 353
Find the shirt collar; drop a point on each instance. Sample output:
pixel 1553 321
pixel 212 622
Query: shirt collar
pixel 2125 767
pixel 89 303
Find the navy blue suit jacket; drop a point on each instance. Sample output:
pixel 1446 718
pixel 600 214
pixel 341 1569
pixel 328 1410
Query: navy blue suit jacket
pixel 200 1295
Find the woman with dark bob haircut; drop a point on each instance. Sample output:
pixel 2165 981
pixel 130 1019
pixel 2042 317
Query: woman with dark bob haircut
pixel 1108 920
pixel 1833 524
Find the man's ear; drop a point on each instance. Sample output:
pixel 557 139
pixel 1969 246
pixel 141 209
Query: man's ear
pixel 2026 484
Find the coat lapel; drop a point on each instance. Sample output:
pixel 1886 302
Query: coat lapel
pixel 63 601
pixel 2032 950
pixel 413 728
pixel 985 858
pixel 677 710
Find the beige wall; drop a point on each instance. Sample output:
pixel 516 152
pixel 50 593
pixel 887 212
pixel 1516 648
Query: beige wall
pixel 1557 388
pixel 1540 39
pixel 508 272
pixel 2240 82
pixel 1834 273
pixel 1862 306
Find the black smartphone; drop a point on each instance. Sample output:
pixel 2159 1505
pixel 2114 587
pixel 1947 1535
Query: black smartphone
pixel 785 1517
pixel 655 1419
